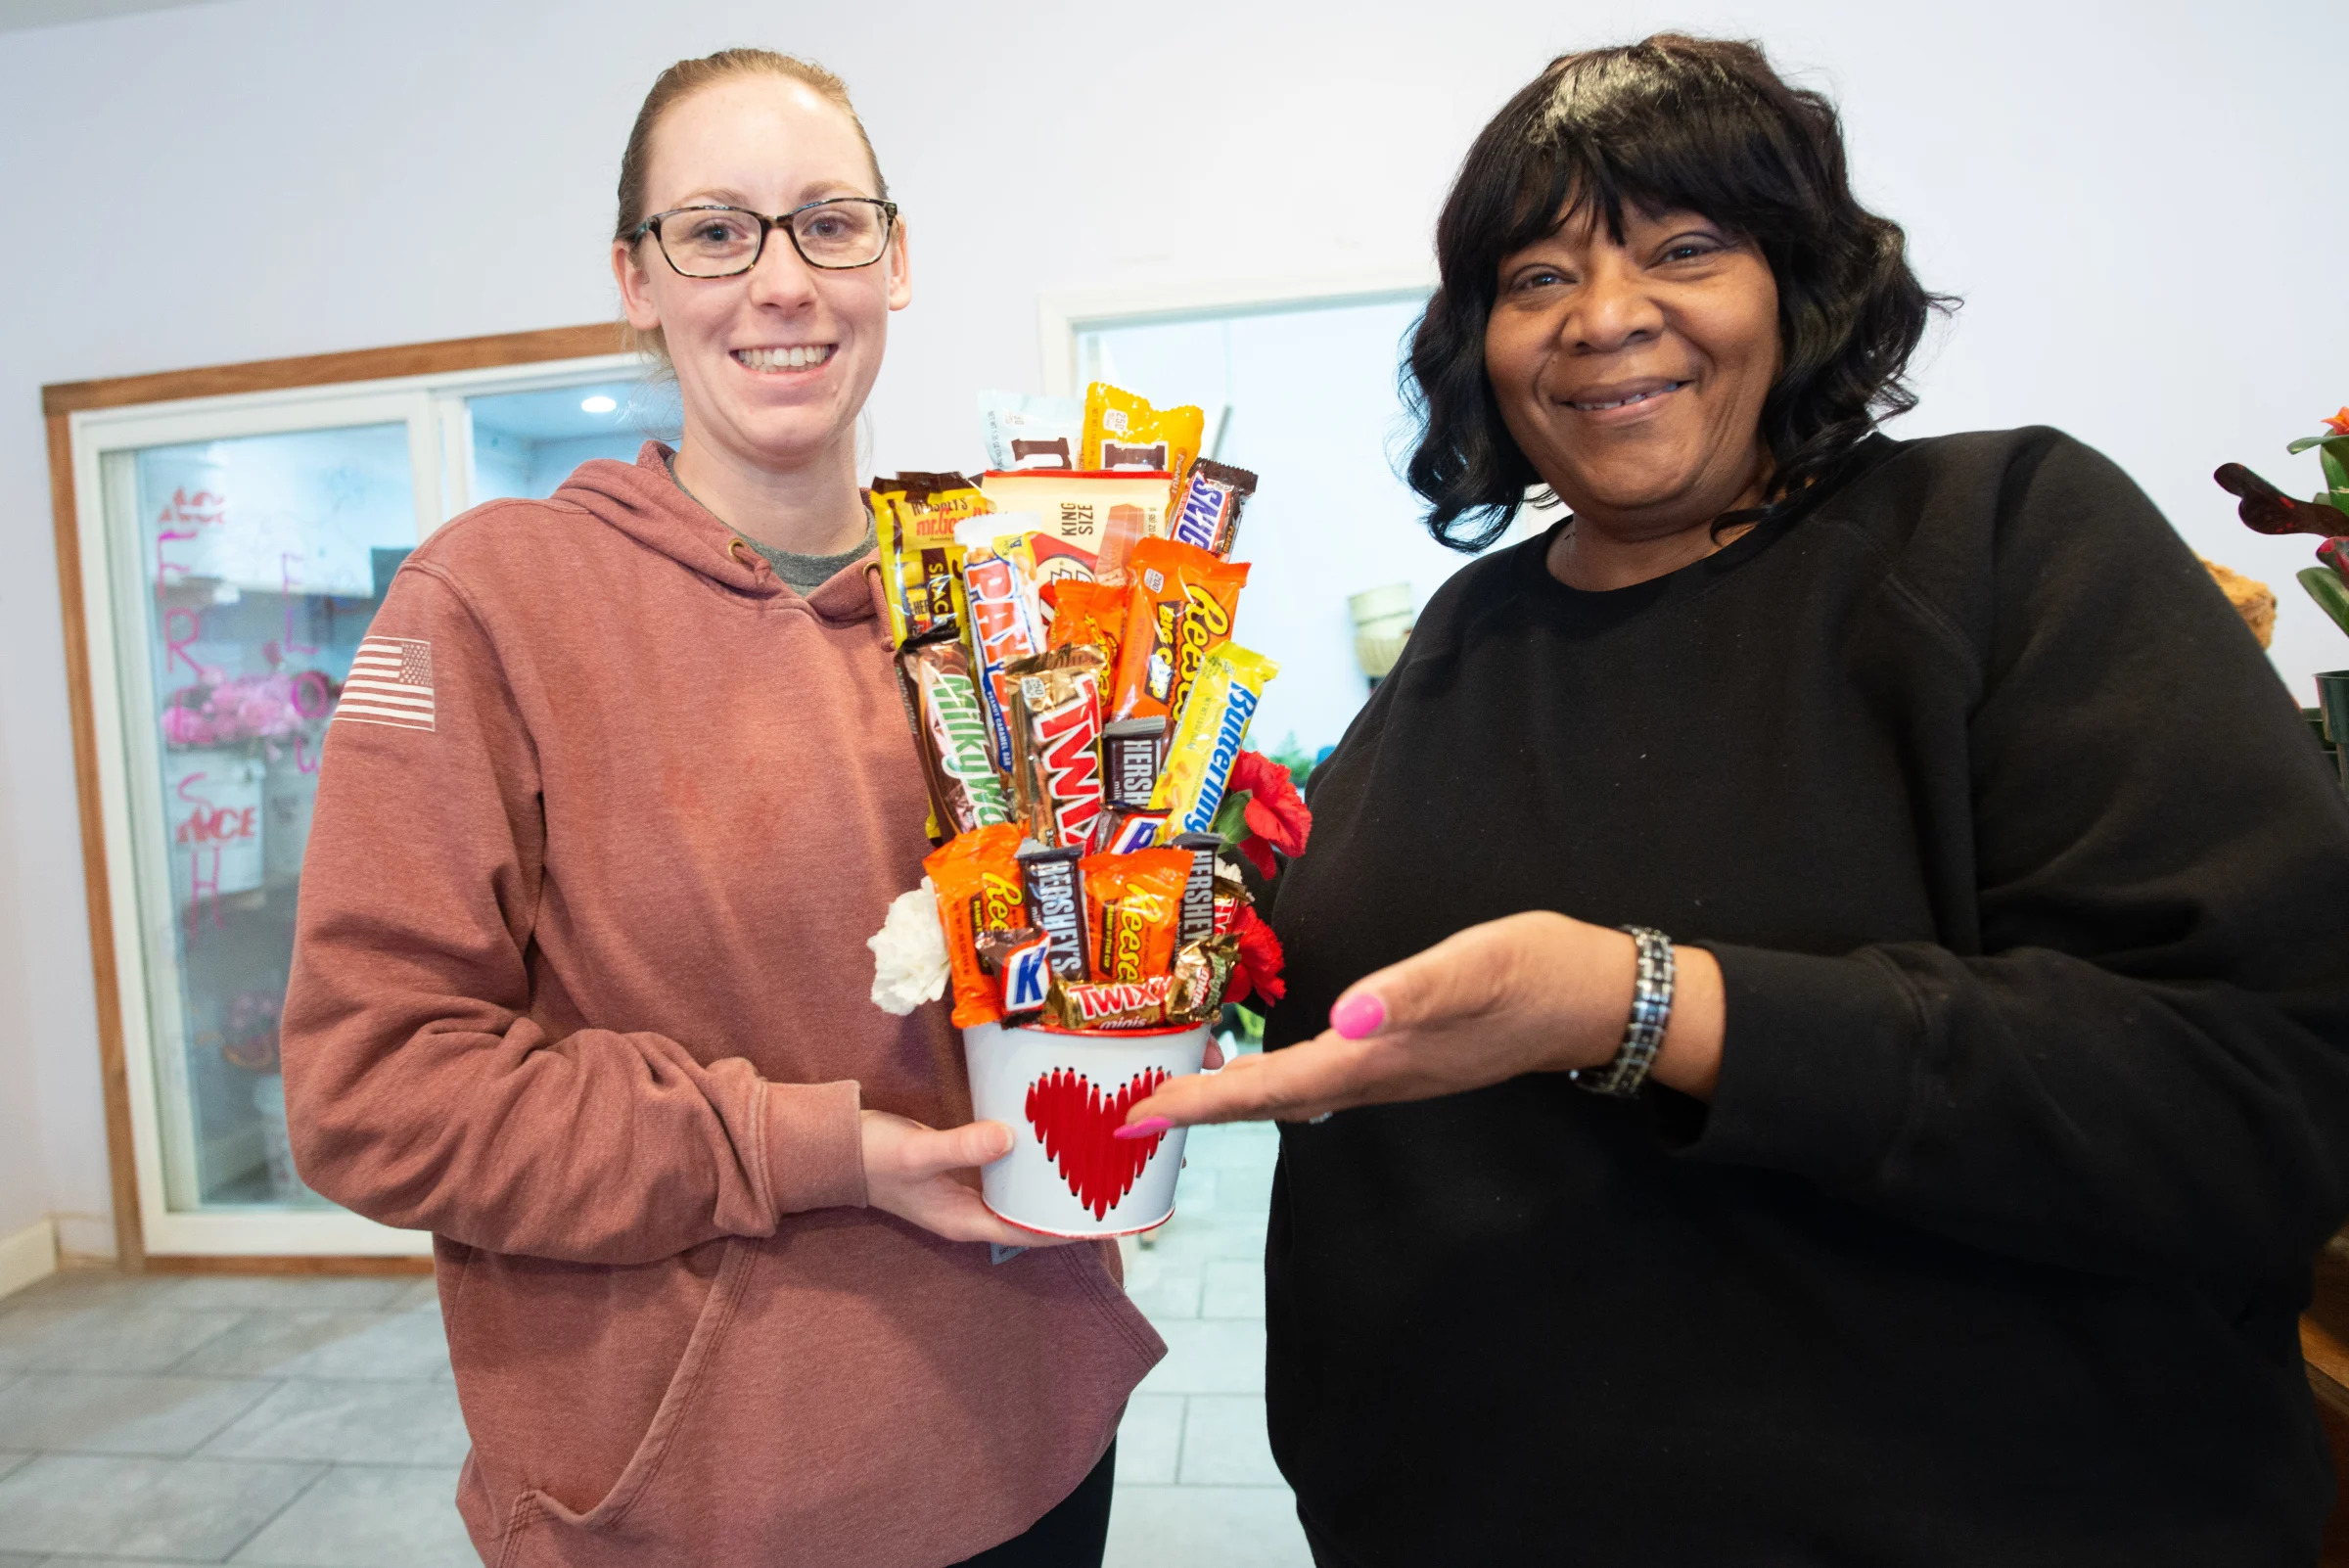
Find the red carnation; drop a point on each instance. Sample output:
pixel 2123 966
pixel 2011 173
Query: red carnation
pixel 1261 960
pixel 1276 814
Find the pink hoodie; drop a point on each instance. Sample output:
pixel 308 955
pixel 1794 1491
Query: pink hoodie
pixel 580 985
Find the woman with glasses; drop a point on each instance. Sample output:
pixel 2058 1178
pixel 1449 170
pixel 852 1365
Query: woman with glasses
pixel 580 984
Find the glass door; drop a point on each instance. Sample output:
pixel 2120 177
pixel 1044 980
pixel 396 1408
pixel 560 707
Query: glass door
pixel 243 553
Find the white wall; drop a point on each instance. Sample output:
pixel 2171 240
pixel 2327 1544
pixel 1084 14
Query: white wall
pixel 2134 199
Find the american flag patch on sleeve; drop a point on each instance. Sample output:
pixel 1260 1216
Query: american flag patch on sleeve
pixel 390 683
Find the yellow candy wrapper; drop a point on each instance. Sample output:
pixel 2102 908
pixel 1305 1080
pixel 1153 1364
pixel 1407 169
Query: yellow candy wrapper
pixel 921 565
pixel 1122 431
pixel 1208 735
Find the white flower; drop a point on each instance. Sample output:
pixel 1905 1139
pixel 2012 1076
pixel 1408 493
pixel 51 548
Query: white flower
pixel 909 952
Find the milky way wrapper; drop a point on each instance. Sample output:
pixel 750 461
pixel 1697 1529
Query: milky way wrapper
pixel 1207 509
pixel 1053 884
pixel 1209 734
pixel 1122 431
pixel 1181 603
pixel 978 881
pixel 1056 745
pixel 949 733
pixel 1024 430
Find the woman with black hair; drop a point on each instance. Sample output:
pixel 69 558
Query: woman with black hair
pixel 1944 1188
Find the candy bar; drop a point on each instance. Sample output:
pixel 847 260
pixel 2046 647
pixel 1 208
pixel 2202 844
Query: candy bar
pixel 1133 903
pixel 1022 430
pixel 1208 733
pixel 1199 888
pixel 1054 888
pixel 1021 962
pixel 1114 1004
pixel 1132 751
pixel 950 732
pixel 1084 510
pixel 1122 431
pixel 1179 605
pixel 1124 829
pixel 1004 624
pixel 913 521
pixel 978 880
pixel 1056 741
pixel 1206 509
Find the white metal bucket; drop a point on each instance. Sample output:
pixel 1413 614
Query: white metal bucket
pixel 1062 1094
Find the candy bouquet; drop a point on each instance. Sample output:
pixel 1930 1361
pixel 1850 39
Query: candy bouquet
pixel 1063 643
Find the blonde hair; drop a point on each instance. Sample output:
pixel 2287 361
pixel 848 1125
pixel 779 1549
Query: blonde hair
pixel 682 81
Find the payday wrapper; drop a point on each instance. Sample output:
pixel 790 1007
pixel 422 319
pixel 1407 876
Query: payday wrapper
pixel 1004 620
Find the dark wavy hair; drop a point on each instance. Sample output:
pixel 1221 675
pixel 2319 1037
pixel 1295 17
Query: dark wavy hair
pixel 1671 123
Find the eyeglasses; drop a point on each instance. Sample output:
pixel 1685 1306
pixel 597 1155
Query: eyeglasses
pixel 835 234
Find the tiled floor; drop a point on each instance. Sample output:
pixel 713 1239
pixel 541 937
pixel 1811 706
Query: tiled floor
pixel 311 1423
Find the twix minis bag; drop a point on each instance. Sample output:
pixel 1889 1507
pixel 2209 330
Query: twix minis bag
pixel 1179 605
pixel 1122 431
pixel 1057 740
pixel 921 566
pixel 978 881
pixel 1134 908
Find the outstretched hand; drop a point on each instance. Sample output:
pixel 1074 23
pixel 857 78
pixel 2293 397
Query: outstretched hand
pixel 929 1178
pixel 1530 993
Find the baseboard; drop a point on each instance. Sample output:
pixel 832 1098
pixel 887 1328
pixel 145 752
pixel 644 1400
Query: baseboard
pixel 27 1255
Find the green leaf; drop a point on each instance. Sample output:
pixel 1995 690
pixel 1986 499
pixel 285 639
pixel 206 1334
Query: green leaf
pixel 2335 459
pixel 2307 442
pixel 2324 585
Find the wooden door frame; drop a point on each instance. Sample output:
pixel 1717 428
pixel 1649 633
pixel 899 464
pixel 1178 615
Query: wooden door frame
pixel 58 402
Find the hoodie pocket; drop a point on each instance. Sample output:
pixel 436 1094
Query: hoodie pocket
pixel 678 1402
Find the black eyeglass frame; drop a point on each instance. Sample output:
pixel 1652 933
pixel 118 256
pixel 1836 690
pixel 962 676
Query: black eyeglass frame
pixel 766 226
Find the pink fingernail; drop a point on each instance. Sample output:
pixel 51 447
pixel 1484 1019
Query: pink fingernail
pixel 1149 1127
pixel 1358 1016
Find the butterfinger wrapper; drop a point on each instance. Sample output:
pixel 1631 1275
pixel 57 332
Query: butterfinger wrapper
pixel 1209 734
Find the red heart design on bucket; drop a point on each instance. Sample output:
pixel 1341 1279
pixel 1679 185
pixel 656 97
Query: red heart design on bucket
pixel 1075 1121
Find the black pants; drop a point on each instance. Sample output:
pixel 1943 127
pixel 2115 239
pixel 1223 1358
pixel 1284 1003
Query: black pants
pixel 1071 1536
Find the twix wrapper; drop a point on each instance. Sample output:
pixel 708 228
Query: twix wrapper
pixel 1209 734
pixel 1122 431
pixel 921 566
pixel 978 881
pixel 1110 1004
pixel 1136 905
pixel 1180 602
pixel 1207 506
pixel 1056 744
pixel 949 733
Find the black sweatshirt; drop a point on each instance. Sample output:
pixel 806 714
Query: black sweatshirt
pixel 2031 895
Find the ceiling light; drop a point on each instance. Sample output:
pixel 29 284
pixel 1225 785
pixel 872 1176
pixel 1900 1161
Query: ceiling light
pixel 598 404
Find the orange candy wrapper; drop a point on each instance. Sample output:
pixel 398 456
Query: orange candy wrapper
pixel 1086 615
pixel 978 881
pixel 1180 604
pixel 1133 903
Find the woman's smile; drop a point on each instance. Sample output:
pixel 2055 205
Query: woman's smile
pixel 1622 402
pixel 780 360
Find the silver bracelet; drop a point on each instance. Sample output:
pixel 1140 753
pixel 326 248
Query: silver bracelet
pixel 1651 1010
